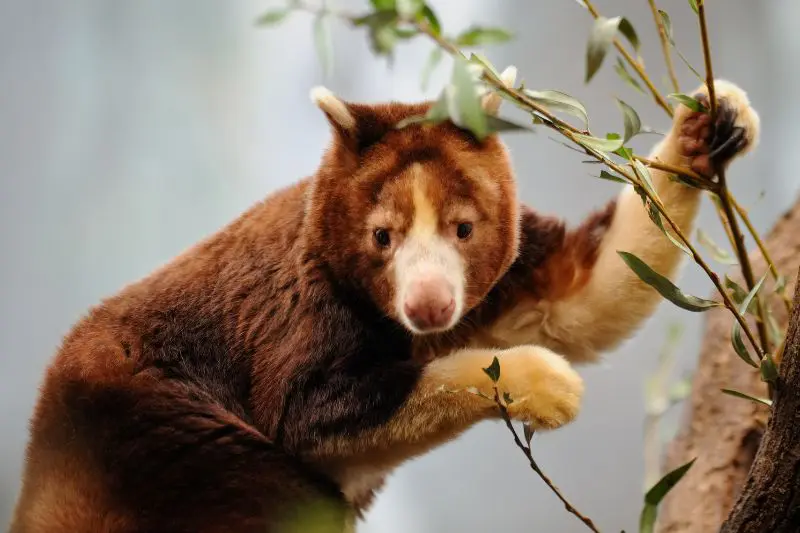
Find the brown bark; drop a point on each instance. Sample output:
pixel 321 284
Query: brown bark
pixel 721 431
pixel 770 498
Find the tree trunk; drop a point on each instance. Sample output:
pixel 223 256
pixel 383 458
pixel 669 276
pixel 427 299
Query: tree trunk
pixel 724 433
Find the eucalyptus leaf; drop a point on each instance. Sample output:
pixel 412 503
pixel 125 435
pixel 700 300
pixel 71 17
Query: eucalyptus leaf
pixel 736 334
pixel 626 29
pixel 667 23
pixel 769 370
pixel 633 123
pixel 433 61
pixel 718 253
pixel 689 102
pixel 272 17
pixel 742 395
pixel 600 38
pixel 464 105
pixel 493 370
pixel 479 36
pixel 612 177
pixel 655 216
pixel 664 286
pixel 429 16
pixel 645 177
pixel 623 73
pixel 693 5
pixel 480 59
pixel 657 493
pixel 596 143
pixel 738 294
pixel 558 101
pixel 323 43
pixel 496 124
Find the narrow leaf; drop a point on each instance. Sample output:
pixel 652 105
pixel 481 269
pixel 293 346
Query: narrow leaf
pixel 612 177
pixel 596 143
pixel 631 119
pixel 479 36
pixel 428 15
pixel 719 254
pixel 655 216
pixel 693 5
pixel 626 29
pixel 384 5
pixel 272 17
pixel 738 294
pixel 464 105
pixel 769 370
pixel 507 398
pixel 736 334
pixel 688 101
pixel 600 39
pixel 433 60
pixel 479 59
pixel 645 177
pixel 409 8
pixel 493 370
pixel 322 41
pixel 664 286
pixel 744 396
pixel 557 101
pixel 623 73
pixel 499 125
pixel 667 23
pixel 528 432
pixel 657 493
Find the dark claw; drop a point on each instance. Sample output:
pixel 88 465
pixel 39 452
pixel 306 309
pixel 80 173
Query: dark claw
pixel 729 148
pixel 726 117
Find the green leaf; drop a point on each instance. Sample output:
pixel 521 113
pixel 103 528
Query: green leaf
pixel 507 398
pixel 664 286
pixel 738 294
pixel 719 254
pixel 479 59
pixel 667 23
pixel 657 493
pixel 528 431
pixel 499 125
pixel 428 15
pixel 322 41
pixel 272 17
pixel 645 177
pixel 632 122
pixel 479 36
pixel 612 177
pixel 693 5
pixel 736 334
pixel 493 370
pixel 600 38
pixel 680 390
pixel 655 216
pixel 464 105
pixel 780 284
pixel 409 8
pixel 688 101
pixel 384 5
pixel 596 143
pixel 742 395
pixel 774 331
pixel 626 29
pixel 623 73
pixel 769 370
pixel 434 59
pixel 556 101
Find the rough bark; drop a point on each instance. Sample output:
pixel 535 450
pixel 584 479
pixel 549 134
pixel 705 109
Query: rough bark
pixel 770 498
pixel 724 432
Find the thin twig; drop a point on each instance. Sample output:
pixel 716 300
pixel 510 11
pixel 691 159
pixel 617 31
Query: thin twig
pixel 673 169
pixel 723 193
pixel 662 33
pixel 762 247
pixel 535 467
pixel 636 65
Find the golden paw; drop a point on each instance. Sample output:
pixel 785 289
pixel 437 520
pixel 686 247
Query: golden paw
pixel 544 388
pixel 709 146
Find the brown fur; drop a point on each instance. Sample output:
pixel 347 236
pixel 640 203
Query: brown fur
pixel 264 371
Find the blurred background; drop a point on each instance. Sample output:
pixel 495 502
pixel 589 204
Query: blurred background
pixel 131 129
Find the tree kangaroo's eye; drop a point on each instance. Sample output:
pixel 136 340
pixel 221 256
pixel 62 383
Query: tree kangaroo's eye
pixel 464 230
pixel 382 238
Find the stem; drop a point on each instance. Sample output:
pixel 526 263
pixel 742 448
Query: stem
pixel 662 33
pixel 761 246
pixel 673 169
pixel 723 193
pixel 636 65
pixel 535 467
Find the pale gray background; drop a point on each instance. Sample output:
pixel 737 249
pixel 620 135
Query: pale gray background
pixel 131 129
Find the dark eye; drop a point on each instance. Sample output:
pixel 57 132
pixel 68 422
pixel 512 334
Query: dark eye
pixel 382 237
pixel 464 230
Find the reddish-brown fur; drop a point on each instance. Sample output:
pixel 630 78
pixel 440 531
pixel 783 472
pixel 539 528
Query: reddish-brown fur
pixel 190 400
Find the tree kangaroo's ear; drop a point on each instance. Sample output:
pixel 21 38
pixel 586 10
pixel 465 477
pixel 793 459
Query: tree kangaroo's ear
pixel 491 101
pixel 358 126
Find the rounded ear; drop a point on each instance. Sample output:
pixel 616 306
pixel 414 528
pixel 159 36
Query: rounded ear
pixel 358 126
pixel 491 102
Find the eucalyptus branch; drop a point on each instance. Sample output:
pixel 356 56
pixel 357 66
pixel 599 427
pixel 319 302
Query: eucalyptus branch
pixel 762 247
pixel 637 66
pixel 724 195
pixel 662 34
pixel 526 450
